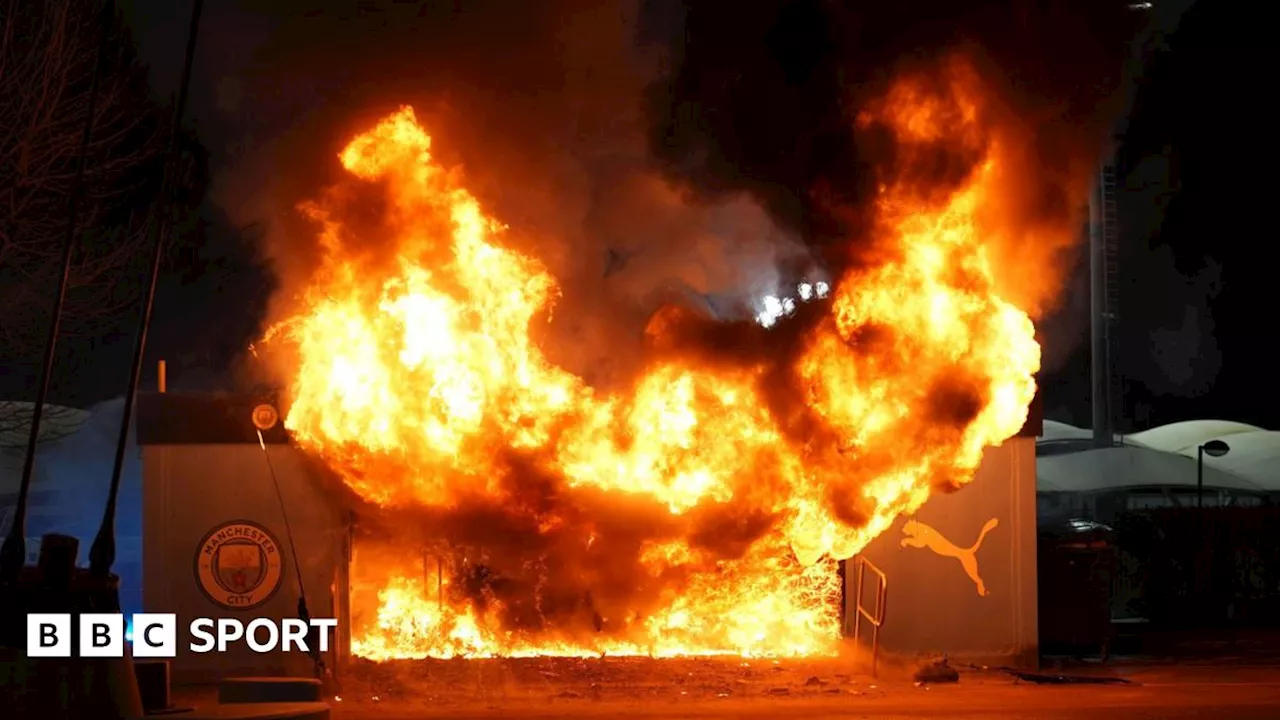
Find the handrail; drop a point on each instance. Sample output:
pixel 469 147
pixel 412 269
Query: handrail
pixel 875 619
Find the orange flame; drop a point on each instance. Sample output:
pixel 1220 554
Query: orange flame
pixel 420 384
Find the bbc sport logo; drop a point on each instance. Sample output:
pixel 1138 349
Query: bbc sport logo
pixel 155 635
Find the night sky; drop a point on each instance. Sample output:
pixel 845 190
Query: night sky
pixel 1197 290
pixel 1194 307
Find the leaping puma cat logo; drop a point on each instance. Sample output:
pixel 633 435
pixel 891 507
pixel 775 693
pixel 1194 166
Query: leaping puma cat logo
pixel 919 535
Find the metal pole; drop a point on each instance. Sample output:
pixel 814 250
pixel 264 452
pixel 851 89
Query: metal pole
pixel 103 553
pixel 842 571
pixel 1200 482
pixel 1099 372
pixel 858 570
pixel 1199 538
pixel 13 554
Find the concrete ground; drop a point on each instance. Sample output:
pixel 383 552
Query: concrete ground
pixel 814 690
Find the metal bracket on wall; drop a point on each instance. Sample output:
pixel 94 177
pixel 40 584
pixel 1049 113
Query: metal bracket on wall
pixel 875 616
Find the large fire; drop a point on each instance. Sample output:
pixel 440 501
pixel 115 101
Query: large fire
pixel 694 513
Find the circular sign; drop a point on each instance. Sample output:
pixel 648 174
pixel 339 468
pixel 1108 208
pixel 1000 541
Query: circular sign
pixel 265 417
pixel 239 565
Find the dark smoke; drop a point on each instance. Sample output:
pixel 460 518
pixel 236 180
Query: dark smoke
pixel 761 97
pixel 548 559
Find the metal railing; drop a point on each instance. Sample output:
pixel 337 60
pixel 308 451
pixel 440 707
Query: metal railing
pixel 873 618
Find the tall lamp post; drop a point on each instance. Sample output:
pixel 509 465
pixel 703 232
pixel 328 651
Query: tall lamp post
pixel 1213 448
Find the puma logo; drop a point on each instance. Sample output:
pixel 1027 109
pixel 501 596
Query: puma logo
pixel 919 535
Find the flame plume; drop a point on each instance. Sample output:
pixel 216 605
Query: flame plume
pixel 694 513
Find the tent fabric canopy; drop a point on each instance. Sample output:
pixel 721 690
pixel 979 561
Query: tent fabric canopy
pixel 1180 437
pixel 1254 456
pixel 1054 431
pixel 1128 467
pixel 1161 457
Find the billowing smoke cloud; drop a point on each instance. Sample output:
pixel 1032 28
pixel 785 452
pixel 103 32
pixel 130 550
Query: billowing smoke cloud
pixel 763 98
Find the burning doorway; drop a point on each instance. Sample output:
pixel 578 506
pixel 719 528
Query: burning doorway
pixel 475 601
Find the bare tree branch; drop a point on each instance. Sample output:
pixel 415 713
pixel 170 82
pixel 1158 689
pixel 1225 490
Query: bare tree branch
pixel 47 60
pixel 56 422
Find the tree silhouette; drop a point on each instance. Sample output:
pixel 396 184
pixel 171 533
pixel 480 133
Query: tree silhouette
pixel 48 52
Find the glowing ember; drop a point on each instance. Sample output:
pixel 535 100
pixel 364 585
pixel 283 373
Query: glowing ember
pixel 691 514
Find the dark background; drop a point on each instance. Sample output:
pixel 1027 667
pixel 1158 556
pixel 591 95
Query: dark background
pixel 1195 247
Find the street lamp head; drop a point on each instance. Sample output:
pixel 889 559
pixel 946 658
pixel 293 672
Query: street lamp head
pixel 1215 448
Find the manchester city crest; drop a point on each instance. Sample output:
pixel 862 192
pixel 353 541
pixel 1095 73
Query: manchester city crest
pixel 239 565
pixel 265 417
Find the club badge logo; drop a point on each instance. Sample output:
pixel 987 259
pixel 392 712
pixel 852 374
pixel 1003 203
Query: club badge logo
pixel 265 417
pixel 239 565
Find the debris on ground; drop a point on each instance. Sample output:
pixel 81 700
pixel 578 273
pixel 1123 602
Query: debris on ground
pixel 937 672
pixel 461 683
pixel 1048 679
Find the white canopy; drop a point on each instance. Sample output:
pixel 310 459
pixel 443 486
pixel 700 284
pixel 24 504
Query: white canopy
pixel 1127 467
